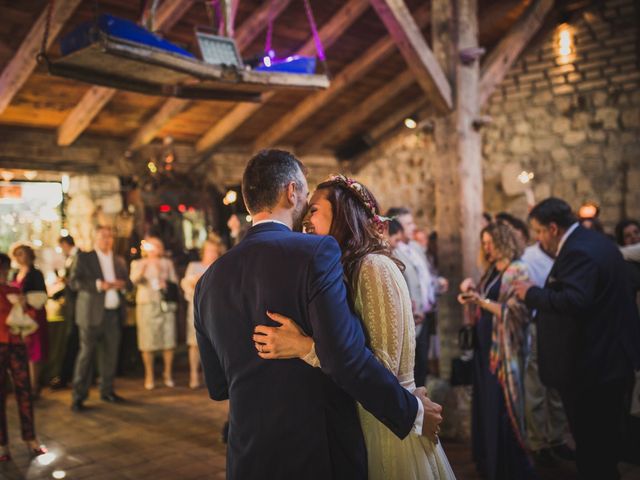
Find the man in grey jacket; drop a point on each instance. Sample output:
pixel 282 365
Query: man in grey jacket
pixel 100 278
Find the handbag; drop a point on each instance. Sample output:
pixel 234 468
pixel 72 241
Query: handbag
pixel 170 297
pixel 466 337
pixel 19 321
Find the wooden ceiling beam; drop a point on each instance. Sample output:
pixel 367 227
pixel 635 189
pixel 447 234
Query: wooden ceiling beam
pixel 504 55
pixel 21 66
pixel 96 97
pixel 245 35
pixel 413 46
pixel 344 124
pixel 348 75
pixel 329 33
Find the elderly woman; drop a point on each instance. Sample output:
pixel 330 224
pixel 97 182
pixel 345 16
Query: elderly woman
pixel 155 277
pixel 499 320
pixel 30 280
pixel 14 359
pixel 211 251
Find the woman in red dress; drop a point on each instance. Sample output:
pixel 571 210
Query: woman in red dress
pixel 30 279
pixel 13 358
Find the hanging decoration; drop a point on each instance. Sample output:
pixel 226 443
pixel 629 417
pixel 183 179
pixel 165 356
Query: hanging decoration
pixel 118 53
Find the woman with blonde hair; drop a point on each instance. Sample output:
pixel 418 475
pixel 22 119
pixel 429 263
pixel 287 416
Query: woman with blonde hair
pixel 211 250
pixel 156 305
pixel 499 323
pixel 31 282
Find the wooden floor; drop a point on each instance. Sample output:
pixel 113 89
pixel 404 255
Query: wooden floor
pixel 162 434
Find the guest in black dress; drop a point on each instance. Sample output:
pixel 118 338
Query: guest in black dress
pixel 497 421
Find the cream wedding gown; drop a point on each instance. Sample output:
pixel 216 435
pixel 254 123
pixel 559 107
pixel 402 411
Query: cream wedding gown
pixel 383 303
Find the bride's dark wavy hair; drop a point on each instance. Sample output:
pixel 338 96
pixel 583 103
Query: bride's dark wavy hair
pixel 356 227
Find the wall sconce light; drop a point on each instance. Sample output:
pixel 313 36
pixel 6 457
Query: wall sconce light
pixel 30 174
pixel 589 210
pixel 6 175
pixel 565 40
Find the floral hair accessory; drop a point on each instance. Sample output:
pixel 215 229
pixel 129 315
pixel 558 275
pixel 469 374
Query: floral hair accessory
pixel 361 194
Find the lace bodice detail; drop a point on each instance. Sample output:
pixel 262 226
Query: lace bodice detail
pixel 383 304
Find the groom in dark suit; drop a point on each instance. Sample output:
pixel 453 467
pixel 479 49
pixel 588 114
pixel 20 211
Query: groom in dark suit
pixel 588 333
pixel 287 419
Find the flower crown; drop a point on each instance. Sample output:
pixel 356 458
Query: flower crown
pixel 362 194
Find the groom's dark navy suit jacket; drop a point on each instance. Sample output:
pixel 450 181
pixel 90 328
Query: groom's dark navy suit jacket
pixel 287 419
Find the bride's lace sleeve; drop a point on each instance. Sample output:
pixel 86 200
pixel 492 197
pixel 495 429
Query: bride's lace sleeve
pixel 383 303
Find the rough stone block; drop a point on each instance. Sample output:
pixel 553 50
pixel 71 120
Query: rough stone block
pixel 580 120
pixel 571 172
pixel 563 90
pixel 574 137
pixel 561 125
pixel 608 116
pixel 592 85
pixel 599 99
pixel 630 118
pixel 520 144
pixel 560 155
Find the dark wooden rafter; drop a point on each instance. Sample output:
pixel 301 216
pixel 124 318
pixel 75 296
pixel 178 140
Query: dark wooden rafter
pixel 343 125
pixel 246 34
pixel 406 33
pixel 329 33
pixel 351 73
pixel 503 56
pixel 96 97
pixel 24 61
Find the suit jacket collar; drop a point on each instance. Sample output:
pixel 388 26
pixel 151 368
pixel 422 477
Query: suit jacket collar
pixel 267 227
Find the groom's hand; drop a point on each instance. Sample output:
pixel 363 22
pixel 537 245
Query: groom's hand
pixel 432 415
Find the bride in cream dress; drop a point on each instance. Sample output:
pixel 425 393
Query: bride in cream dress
pixel 345 209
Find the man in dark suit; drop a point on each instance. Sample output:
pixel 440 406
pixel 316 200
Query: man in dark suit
pixel 588 333
pixel 64 372
pixel 287 419
pixel 100 278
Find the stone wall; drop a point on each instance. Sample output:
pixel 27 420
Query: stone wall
pixel 574 120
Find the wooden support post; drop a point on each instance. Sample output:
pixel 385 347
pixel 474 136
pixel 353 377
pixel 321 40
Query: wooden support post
pixel 458 161
pixel 24 62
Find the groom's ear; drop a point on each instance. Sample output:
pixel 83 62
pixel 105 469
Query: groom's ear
pixel 291 193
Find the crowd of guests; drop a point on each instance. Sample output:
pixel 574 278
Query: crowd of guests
pixel 555 330
pixel 556 341
pixel 94 312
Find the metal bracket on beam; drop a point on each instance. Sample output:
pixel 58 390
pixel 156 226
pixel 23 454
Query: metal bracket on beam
pixel 469 55
pixel 482 121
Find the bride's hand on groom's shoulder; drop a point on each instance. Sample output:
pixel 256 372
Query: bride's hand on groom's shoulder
pixel 432 415
pixel 286 341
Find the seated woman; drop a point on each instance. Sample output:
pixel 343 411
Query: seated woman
pixel 14 359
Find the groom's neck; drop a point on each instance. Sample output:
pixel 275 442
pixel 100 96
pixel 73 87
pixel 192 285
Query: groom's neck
pixel 278 214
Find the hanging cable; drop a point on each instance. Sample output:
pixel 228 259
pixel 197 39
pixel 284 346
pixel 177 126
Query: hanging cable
pixel 316 37
pixel 42 55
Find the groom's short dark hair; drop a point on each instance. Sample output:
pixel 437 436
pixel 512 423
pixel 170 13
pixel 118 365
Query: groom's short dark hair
pixel 266 174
